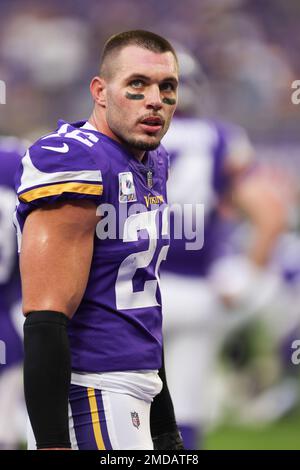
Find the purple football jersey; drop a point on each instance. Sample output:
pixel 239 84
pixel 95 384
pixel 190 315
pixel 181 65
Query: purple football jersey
pixel 11 151
pixel 198 152
pixel 118 323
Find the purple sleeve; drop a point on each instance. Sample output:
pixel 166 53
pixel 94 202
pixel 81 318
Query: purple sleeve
pixel 56 169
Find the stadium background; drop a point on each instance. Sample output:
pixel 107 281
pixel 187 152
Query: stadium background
pixel 249 54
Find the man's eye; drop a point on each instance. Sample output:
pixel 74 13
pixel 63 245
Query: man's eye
pixel 168 86
pixel 137 84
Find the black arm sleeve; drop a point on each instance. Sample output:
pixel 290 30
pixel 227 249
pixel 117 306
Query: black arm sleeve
pixel 162 416
pixel 47 375
pixel 164 431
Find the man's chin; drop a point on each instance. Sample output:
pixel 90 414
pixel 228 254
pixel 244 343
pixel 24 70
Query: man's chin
pixel 145 144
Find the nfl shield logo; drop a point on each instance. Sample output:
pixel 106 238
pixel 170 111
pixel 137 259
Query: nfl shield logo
pixel 135 419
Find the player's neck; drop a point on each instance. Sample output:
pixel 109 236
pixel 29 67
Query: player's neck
pixel 103 127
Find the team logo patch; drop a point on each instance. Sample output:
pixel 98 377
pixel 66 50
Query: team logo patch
pixel 135 419
pixel 126 187
pixel 153 199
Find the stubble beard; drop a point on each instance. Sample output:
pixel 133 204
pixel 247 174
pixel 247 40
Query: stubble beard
pixel 141 145
pixel 136 144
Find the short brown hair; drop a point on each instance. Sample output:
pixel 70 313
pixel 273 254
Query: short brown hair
pixel 145 39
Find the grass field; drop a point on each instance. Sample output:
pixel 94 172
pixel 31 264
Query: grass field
pixel 282 435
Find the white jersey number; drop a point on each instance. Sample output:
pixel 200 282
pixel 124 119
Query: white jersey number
pixel 125 297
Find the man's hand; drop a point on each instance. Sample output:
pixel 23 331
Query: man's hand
pixel 168 441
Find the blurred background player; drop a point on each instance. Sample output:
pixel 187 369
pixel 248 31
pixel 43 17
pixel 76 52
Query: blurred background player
pixel 12 408
pixel 212 164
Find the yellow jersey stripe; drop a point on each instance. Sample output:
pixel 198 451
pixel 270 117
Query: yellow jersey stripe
pixel 95 419
pixel 56 189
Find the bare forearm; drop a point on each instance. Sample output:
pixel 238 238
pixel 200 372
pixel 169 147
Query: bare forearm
pixel 266 213
pixel 263 245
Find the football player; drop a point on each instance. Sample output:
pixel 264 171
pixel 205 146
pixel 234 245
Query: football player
pixel 11 390
pixel 90 281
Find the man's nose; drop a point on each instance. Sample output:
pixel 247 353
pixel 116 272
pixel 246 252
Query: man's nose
pixel 153 98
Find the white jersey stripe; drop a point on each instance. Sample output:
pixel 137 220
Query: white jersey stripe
pixel 31 175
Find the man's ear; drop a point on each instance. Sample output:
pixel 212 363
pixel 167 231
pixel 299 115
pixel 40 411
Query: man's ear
pixel 98 91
